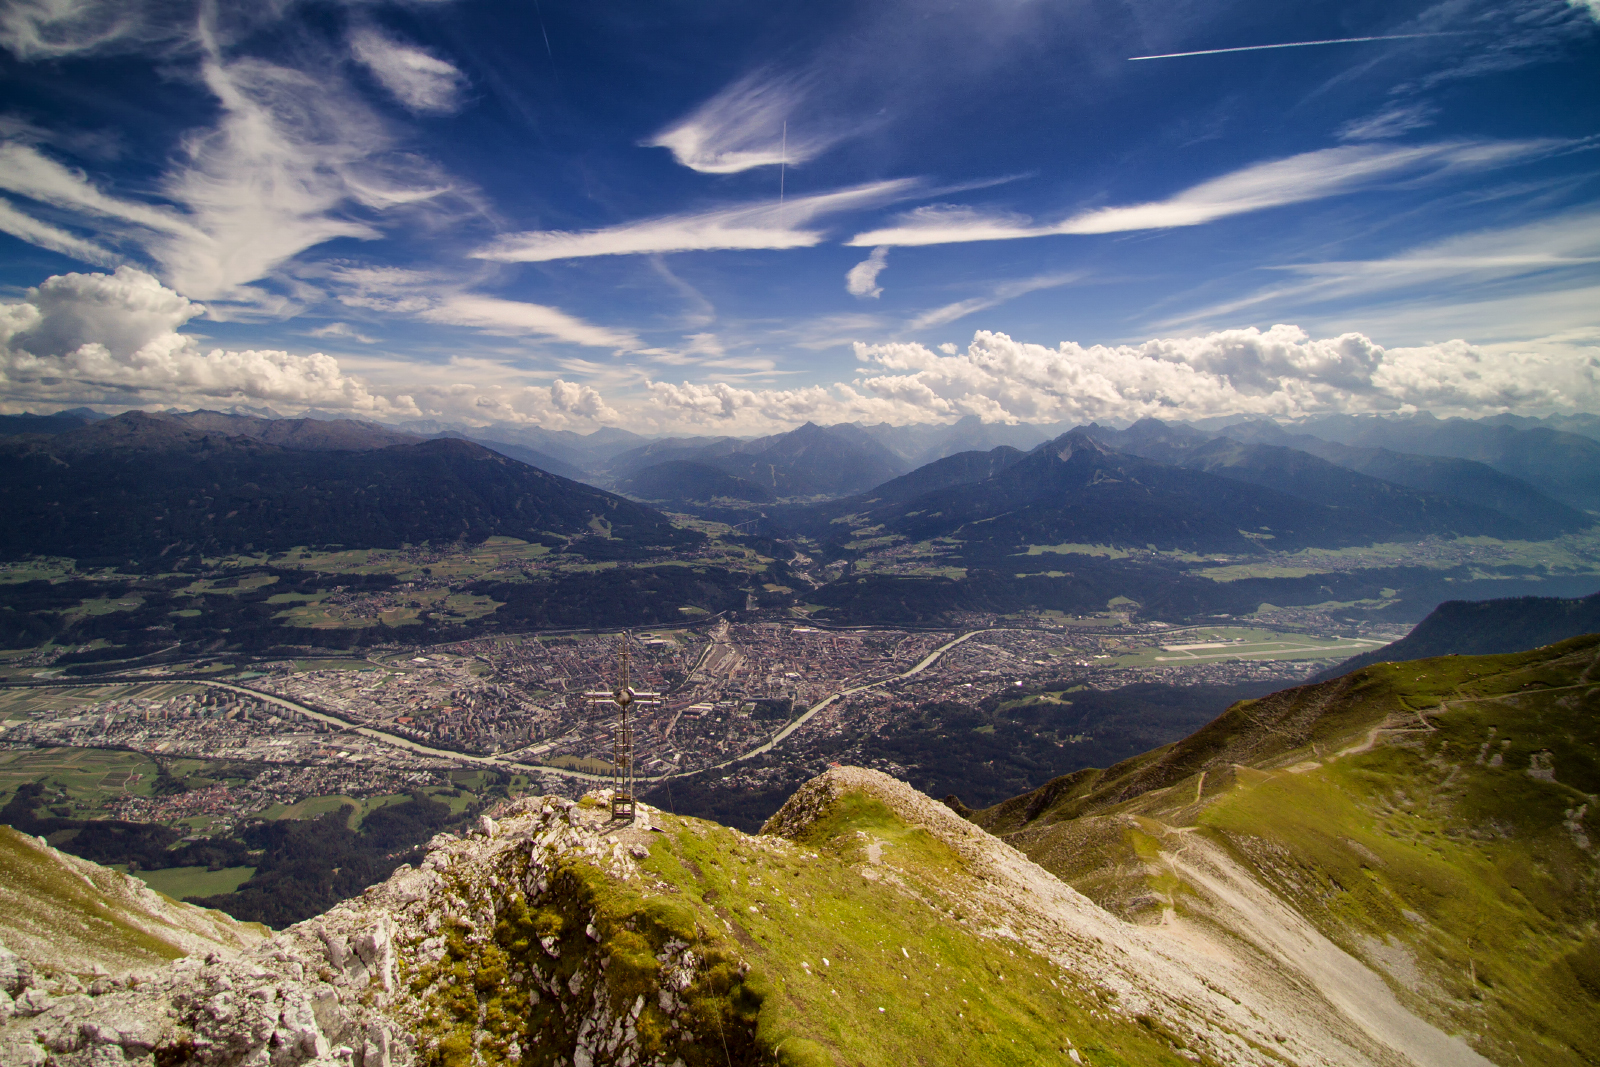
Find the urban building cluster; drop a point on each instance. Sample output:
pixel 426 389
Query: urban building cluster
pixel 725 691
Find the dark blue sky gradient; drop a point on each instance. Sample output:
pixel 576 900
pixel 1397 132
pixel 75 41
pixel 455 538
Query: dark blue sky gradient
pixel 1028 113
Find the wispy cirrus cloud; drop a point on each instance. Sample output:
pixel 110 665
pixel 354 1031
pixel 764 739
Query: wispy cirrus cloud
pixel 1296 179
pixel 765 224
pixel 343 329
pixel 25 171
pixel 996 296
pixel 513 317
pixel 421 81
pixel 35 232
pixel 746 125
pixel 48 29
pixel 294 159
pixel 1549 254
pixel 1390 122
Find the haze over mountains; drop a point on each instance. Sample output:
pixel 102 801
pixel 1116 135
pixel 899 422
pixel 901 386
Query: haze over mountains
pixel 1463 479
pixel 1536 475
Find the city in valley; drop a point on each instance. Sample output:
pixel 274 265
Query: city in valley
pixel 750 702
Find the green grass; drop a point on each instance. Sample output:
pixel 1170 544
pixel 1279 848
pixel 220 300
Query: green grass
pixel 41 898
pixel 1424 846
pixel 180 883
pixel 91 777
pixel 310 807
pixel 839 966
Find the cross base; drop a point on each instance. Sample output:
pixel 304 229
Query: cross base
pixel 622 806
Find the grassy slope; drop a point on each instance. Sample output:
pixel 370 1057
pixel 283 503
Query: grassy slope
pixel 64 913
pixel 807 960
pixel 1435 818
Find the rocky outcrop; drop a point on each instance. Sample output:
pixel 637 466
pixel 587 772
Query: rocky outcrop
pixel 524 942
pixel 551 935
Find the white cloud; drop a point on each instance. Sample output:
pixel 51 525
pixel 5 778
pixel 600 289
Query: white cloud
pixel 480 392
pixel 47 29
pixel 513 317
pixel 343 329
pixel 97 338
pixel 1591 6
pixel 862 279
pixel 1281 372
pixel 1565 244
pixel 389 289
pixel 1277 372
pixel 420 81
pixel 54 238
pixel 1308 176
pixel 765 224
pixel 25 171
pixel 268 181
pixel 293 161
pixel 1391 122
pixel 113 340
pixel 743 126
pixel 998 295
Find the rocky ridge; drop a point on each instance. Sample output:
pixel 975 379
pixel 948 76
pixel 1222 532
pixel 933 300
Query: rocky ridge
pixel 552 935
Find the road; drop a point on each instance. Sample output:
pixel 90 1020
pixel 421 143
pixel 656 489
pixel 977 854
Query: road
pixel 538 768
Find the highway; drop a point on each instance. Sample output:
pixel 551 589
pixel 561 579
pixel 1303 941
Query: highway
pixel 503 763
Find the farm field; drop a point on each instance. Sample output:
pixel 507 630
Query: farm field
pixel 181 882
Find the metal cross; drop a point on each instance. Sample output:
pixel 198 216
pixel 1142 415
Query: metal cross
pixel 622 696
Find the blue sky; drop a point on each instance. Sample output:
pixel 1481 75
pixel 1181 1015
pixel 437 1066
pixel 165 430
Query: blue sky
pixel 732 217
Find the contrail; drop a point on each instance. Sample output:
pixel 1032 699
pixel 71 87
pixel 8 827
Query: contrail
pixel 1297 44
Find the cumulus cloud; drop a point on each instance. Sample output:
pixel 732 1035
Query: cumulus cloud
pixel 1282 372
pixel 421 82
pixel 513 317
pixel 98 338
pixel 1276 372
pixel 478 392
pixel 862 279
pixel 744 126
pixel 114 340
pixel 1308 176
pixel 766 224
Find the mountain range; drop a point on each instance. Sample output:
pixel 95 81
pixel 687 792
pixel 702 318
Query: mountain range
pixel 808 462
pixel 1394 867
pixel 1142 487
pixel 140 485
pixel 1559 463
pixel 1454 500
